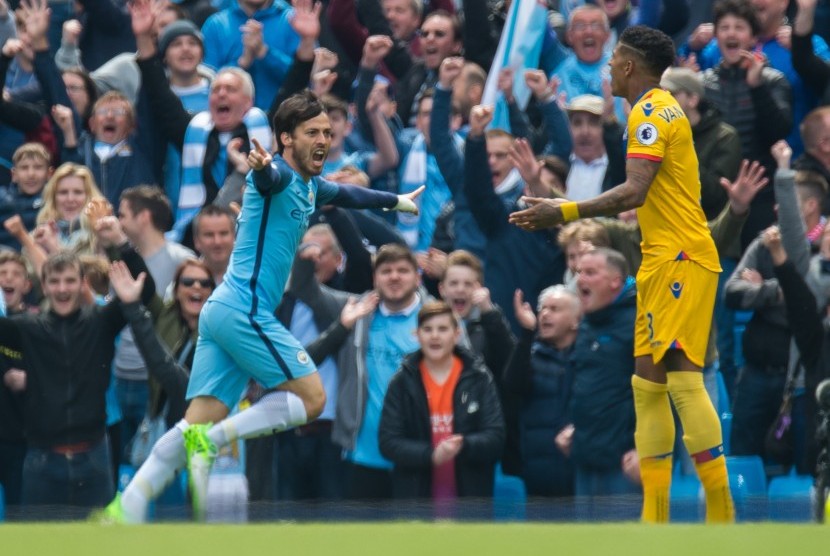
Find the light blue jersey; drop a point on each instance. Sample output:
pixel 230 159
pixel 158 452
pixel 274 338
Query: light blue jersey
pixel 239 336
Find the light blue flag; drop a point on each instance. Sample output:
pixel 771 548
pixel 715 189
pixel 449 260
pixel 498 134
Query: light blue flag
pixel 519 48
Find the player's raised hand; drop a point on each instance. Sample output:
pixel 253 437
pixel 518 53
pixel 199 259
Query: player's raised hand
pixel 127 288
pixel 523 311
pixel 541 213
pixel 747 184
pixel 480 116
pixel 406 202
pixel 259 158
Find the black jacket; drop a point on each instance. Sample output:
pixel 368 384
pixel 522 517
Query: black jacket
pixel 68 362
pixel 405 433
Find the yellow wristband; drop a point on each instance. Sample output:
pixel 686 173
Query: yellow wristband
pixel 570 212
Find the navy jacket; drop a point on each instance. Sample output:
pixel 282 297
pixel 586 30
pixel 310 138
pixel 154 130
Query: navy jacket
pixel 602 403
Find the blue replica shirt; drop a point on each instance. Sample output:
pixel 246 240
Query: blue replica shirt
pixel 391 337
pixel 275 210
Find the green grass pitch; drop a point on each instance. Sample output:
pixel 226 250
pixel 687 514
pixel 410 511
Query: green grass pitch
pixel 423 539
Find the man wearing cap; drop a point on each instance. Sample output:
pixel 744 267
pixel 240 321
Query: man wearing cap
pixel 597 162
pixel 717 143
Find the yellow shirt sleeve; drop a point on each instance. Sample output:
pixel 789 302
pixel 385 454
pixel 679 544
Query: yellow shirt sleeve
pixel 649 131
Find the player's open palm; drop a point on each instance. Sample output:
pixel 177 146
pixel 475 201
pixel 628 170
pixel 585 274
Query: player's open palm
pixel 259 158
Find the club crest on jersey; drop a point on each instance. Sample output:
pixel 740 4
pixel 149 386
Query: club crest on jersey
pixel 302 357
pixel 646 134
pixel 648 108
pixel 676 289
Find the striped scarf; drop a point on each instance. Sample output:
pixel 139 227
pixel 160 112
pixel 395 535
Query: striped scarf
pixel 193 194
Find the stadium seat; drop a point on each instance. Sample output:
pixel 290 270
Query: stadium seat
pixel 509 497
pixel 748 484
pixel 791 498
pixel 724 413
pixel 686 497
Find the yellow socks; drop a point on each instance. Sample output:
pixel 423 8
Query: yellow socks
pixel 654 439
pixel 704 441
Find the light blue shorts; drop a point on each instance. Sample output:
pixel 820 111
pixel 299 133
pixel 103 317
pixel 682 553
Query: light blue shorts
pixel 235 346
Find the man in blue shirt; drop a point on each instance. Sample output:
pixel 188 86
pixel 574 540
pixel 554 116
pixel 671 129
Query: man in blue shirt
pixel 239 336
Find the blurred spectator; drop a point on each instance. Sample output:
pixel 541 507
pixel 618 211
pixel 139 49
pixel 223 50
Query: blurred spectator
pixel 441 424
pixel 815 130
pixel 541 375
pixel 813 69
pixel 214 231
pixel 753 98
pixel 577 238
pixel 600 440
pixel 31 166
pixel 68 352
pixel 269 36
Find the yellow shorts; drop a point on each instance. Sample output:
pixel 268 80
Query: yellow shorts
pixel 675 302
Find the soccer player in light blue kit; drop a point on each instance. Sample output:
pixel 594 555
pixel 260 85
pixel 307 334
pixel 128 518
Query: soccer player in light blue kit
pixel 239 336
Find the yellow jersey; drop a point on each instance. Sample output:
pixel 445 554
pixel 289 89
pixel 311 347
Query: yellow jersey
pixel 671 220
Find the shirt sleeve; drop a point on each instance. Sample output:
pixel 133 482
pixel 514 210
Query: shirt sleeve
pixel 649 128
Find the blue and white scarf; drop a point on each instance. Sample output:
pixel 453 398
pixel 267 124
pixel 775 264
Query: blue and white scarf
pixel 421 168
pixel 193 195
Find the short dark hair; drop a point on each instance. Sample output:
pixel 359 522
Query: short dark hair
pixel 455 23
pixel 741 9
pixel 211 210
pixel 812 184
pixel 555 166
pixel 89 87
pixel 59 262
pixel 392 253
pixel 293 111
pixel 152 198
pixel 433 309
pixel 654 48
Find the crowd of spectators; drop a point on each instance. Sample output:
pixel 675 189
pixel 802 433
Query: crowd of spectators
pixel 451 344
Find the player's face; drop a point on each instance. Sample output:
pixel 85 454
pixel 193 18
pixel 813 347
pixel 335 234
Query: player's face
pixel 438 40
pixel 14 282
pixel 192 291
pixel 498 149
pixel 228 102
pixel 558 316
pixel 401 17
pixel 70 197
pixel 586 130
pixel 215 239
pixel 184 55
pixel 63 290
pixel 733 35
pixel 616 66
pixel 396 282
pixel 308 145
pixel 598 285
pixel 457 288
pixel 437 337
pixel 587 34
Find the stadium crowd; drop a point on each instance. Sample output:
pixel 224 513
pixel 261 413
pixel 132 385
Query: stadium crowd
pixel 124 135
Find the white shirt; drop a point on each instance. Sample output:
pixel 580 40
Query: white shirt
pixel 585 178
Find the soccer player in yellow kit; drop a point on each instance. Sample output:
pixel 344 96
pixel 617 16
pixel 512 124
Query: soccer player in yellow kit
pixel 676 282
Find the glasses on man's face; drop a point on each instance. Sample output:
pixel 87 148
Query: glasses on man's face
pixel 103 112
pixel 594 26
pixel 190 282
pixel 75 88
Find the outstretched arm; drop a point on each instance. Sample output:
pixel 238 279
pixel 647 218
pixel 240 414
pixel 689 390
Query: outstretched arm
pixel 546 213
pixel 353 196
